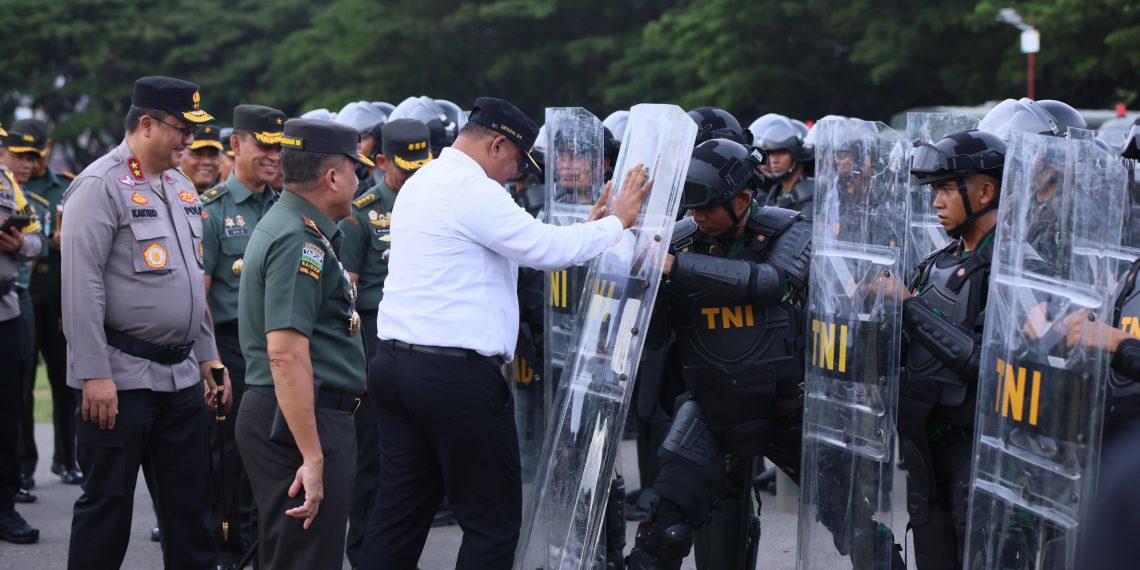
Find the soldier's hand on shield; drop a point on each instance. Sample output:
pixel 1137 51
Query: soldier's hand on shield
pixel 893 287
pixel 1036 323
pixel 633 191
pixel 310 476
pixel 210 388
pixel 12 240
pixel 1082 331
pixel 100 402
pixel 668 267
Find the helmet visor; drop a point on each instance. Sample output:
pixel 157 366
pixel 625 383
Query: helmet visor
pixel 696 195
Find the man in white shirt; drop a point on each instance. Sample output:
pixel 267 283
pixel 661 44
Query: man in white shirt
pixel 447 322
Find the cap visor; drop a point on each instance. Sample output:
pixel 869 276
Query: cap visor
pixel 203 144
pixel 533 166
pixel 19 149
pixel 3 133
pixel 229 153
pixel 362 159
pixel 198 116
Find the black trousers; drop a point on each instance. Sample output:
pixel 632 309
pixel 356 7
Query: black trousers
pixel 14 337
pixel 446 425
pixel 272 467
pixel 940 525
pixel 29 453
pixel 51 346
pixel 367 455
pixel 238 510
pixel 167 431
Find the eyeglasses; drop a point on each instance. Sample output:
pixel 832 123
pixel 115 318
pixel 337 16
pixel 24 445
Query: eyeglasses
pixel 191 131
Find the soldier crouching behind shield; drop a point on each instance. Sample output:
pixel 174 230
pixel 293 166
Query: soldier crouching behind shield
pixel 942 318
pixel 734 295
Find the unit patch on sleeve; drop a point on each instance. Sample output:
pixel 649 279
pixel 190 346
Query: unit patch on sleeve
pixel 312 260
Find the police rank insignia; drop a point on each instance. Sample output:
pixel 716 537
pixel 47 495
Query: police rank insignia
pixel 139 199
pixel 136 169
pixel 155 256
pixel 312 260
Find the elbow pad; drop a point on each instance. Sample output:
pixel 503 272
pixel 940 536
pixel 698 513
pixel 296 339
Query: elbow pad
pixel 951 344
pixel 732 279
pixel 1126 360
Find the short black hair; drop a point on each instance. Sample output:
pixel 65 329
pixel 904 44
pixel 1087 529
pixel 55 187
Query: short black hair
pixel 302 169
pixel 135 114
pixel 478 131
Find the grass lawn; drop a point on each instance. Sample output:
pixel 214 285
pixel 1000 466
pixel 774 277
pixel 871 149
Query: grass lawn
pixel 42 393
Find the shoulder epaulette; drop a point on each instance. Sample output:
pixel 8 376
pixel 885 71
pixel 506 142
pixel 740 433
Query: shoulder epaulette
pixel 770 220
pixel 37 198
pixel 213 193
pixel 184 175
pixel 365 200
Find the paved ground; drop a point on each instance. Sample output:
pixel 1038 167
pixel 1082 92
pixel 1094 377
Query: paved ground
pixel 52 515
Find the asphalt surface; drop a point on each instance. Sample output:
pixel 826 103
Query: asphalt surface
pixel 52 515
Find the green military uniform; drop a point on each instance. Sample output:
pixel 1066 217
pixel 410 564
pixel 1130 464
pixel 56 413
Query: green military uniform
pixel 292 280
pixel 366 241
pixel 231 211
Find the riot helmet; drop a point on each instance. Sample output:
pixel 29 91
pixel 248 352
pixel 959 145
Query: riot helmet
pixel 442 130
pixel 616 123
pixel 760 125
pixel 1132 141
pixel 1047 117
pixel 782 134
pixel 716 123
pixel 719 170
pixel 957 157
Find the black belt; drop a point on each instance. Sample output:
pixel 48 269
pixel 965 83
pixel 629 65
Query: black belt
pixel 445 351
pixel 326 399
pixel 140 348
pixel 7 286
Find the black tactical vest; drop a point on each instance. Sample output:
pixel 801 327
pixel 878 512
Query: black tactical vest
pixel 749 343
pixel 1123 400
pixel 957 288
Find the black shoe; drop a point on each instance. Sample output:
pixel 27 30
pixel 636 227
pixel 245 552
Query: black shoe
pixel 443 517
pixel 72 477
pixel 24 496
pixel 57 468
pixel 13 528
pixel 27 482
pixel 155 534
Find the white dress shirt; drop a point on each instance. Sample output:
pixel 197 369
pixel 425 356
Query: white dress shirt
pixel 457 241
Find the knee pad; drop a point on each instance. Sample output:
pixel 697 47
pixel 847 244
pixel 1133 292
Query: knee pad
pixel 692 473
pixel 664 540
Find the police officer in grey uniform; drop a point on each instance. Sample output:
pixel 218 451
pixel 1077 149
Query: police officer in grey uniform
pixel 18 243
pixel 139 337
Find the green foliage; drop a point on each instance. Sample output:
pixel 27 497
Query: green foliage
pixel 76 59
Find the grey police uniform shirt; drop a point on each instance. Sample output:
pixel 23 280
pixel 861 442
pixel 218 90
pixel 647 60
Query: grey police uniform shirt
pixel 12 201
pixel 132 261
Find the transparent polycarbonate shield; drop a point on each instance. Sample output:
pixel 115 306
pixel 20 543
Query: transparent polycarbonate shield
pixel 563 520
pixel 1040 401
pixel 528 390
pixel 926 234
pixel 853 346
pixel 1115 142
pixel 575 176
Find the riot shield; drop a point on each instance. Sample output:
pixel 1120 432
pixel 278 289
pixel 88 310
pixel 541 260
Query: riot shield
pixel 1040 402
pixel 926 234
pixel 563 520
pixel 859 240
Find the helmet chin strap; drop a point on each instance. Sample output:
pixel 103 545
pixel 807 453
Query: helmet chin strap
pixel 971 216
pixel 785 174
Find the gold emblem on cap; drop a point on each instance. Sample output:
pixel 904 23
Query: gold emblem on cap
pixel 236 267
pixel 197 98
pixel 354 324
pixel 278 120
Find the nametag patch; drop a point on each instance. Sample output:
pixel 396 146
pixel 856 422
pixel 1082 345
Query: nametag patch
pixel 143 213
pixel 192 210
pixel 312 260
pixel 237 232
